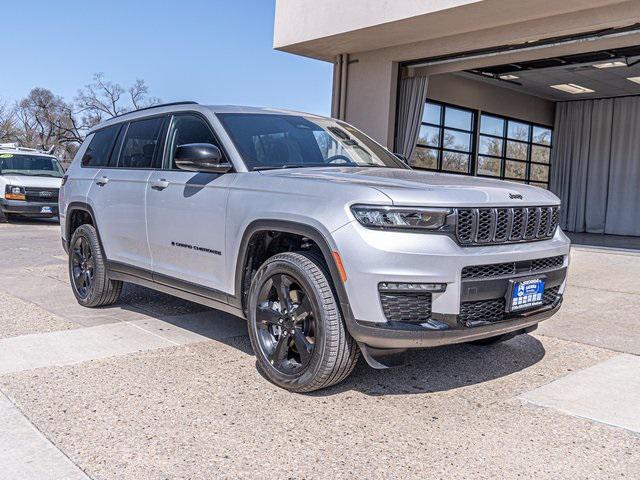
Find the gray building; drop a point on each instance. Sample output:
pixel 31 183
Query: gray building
pixel 539 91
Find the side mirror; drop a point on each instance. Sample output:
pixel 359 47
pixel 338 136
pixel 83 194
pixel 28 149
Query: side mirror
pixel 402 158
pixel 200 157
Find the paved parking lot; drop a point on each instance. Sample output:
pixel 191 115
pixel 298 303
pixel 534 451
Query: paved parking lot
pixel 160 388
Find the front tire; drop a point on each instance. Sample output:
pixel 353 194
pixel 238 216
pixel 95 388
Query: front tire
pixel 295 326
pixel 88 270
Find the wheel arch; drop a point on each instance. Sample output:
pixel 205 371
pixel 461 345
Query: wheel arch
pixel 290 227
pixel 71 224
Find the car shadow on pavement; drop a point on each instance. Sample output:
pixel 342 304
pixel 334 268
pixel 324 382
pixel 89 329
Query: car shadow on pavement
pixel 195 318
pixel 427 371
pixel 16 220
pixel 444 368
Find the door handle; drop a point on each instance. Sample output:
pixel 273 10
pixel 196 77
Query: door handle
pixel 159 184
pixel 102 181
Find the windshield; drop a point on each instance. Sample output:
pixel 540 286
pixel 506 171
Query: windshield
pixel 33 165
pixel 268 141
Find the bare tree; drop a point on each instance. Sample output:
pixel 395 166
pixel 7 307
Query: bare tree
pixel 45 121
pixel 8 130
pixel 39 117
pixel 103 99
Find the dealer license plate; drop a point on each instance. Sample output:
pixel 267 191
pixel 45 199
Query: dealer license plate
pixel 46 210
pixel 526 294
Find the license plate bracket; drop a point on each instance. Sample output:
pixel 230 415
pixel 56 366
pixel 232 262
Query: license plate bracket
pixel 525 293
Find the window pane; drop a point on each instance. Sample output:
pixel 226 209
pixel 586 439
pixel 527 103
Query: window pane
pixel 515 169
pixel 97 153
pixel 455 162
pixel 542 135
pixel 140 144
pixel 517 150
pixel 490 146
pixel 518 131
pixel 540 154
pixel 188 129
pixel 424 158
pixel 432 113
pixel 539 173
pixel 457 140
pixel 492 125
pixel 429 136
pixel 456 118
pixel 488 166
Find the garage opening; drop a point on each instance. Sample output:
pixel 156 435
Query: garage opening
pixel 569 123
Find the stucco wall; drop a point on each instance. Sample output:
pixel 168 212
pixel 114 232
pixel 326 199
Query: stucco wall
pixel 478 95
pixel 372 80
pixel 298 21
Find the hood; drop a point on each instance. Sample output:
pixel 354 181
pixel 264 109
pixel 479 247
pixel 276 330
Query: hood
pixel 418 187
pixel 32 181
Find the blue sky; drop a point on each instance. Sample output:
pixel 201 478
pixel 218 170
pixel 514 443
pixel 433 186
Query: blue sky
pixel 216 51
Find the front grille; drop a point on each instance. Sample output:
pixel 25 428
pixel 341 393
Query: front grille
pixel 406 307
pixel 511 268
pixel 47 195
pixel 475 313
pixel 490 226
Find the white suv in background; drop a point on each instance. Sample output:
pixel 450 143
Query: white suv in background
pixel 29 182
pixel 322 239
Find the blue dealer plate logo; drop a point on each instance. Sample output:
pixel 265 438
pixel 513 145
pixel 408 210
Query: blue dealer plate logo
pixel 527 294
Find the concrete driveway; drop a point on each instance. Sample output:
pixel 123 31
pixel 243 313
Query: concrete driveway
pixel 160 388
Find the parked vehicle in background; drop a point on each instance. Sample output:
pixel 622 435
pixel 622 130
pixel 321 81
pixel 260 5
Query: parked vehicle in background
pixel 30 181
pixel 322 239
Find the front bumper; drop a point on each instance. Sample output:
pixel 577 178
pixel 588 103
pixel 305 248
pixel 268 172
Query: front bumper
pixel 373 257
pixel 404 335
pixel 32 209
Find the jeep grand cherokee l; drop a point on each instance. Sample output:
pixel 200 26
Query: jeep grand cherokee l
pixel 327 243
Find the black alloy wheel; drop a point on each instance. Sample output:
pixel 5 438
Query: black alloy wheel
pixel 88 274
pixel 82 266
pixel 286 321
pixel 295 324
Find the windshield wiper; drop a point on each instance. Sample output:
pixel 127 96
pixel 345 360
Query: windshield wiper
pixel 290 165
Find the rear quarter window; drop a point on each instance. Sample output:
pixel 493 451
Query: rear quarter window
pixel 99 149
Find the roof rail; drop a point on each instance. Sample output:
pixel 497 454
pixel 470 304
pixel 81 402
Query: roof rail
pixel 189 102
pixel 15 146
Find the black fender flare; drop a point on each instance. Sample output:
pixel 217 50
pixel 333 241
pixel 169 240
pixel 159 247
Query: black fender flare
pixel 298 229
pixel 73 207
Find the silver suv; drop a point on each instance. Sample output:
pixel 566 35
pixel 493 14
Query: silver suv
pixel 327 243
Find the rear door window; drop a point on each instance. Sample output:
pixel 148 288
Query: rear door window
pixel 99 149
pixel 141 144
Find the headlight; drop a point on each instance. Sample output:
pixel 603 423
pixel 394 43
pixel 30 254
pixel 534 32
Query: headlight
pixel 413 218
pixel 14 193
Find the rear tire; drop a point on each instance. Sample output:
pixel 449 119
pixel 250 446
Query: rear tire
pixel 88 271
pixel 3 217
pixel 295 326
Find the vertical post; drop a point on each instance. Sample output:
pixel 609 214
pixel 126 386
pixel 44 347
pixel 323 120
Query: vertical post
pixel 344 70
pixel 335 94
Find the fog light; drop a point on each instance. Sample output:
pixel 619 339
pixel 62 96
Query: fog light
pixel 412 287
